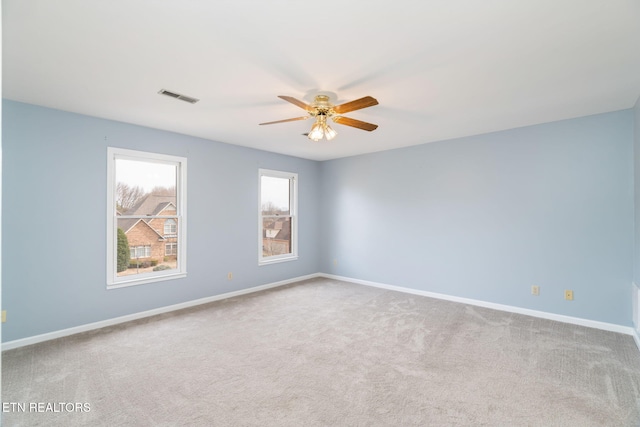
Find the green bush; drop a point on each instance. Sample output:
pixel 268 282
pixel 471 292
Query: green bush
pixel 162 267
pixel 123 251
pixel 153 262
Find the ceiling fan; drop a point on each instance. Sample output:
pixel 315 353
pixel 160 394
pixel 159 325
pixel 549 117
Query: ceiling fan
pixel 321 109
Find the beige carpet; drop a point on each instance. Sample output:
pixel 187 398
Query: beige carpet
pixel 328 353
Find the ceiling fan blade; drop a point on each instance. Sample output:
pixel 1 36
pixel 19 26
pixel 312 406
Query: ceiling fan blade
pixel 286 120
pixel 298 103
pixel 358 104
pixel 354 123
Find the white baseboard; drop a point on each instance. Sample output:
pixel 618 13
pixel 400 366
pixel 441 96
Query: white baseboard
pixel 636 338
pixel 508 308
pixel 122 319
pixel 511 309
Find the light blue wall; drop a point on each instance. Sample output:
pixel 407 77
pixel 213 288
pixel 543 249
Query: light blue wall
pixel 487 217
pixel 483 217
pixel 54 216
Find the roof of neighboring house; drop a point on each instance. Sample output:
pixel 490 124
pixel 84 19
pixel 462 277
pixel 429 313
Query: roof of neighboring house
pixel 284 233
pixel 152 204
pixel 129 223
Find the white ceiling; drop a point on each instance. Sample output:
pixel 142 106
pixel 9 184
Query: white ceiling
pixel 439 68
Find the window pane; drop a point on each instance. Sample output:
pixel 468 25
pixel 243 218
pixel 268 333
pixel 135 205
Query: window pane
pixel 276 239
pixel 145 188
pixel 275 196
pixel 148 250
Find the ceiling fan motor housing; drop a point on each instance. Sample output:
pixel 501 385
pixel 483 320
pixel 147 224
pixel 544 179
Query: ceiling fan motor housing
pixel 322 106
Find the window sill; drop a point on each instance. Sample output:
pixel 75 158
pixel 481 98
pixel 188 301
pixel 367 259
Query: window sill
pixel 277 260
pixel 145 280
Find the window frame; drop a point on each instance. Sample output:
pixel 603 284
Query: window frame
pixel 293 214
pixel 113 280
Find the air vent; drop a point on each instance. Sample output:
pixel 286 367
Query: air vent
pixel 178 96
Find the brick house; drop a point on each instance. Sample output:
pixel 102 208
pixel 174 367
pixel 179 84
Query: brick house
pixel 156 238
pixel 276 236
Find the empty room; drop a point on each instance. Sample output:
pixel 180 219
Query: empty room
pixel 285 213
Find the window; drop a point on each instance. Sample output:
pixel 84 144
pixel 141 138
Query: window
pixel 146 222
pixel 278 240
pixel 171 249
pixel 139 252
pixel 170 228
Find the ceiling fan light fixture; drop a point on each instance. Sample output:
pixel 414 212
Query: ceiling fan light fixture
pixel 329 133
pixel 321 129
pixel 317 132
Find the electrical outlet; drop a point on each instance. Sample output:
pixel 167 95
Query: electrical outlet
pixel 4 316
pixel 535 290
pixel 568 295
pixel 229 276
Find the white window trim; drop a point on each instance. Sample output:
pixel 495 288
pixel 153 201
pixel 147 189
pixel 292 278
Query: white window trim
pixel 293 206
pixel 113 281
